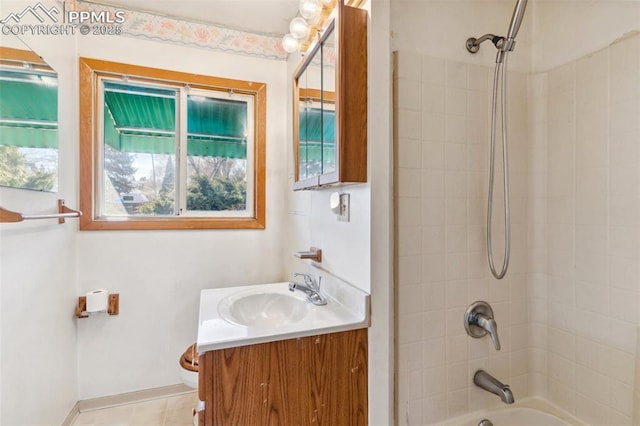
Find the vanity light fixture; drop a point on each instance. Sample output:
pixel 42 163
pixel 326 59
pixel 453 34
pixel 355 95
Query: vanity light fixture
pixel 303 28
pixel 290 44
pixel 310 9
pixel 299 28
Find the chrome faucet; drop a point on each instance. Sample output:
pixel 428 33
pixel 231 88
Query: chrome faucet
pixel 478 321
pixel 310 287
pixel 489 383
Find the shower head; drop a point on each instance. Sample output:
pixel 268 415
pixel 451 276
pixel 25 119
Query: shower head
pixel 516 20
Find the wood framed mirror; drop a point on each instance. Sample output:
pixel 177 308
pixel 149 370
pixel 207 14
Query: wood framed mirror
pixel 330 104
pixel 28 119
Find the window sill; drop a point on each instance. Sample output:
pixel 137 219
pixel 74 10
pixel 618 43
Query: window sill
pixel 169 223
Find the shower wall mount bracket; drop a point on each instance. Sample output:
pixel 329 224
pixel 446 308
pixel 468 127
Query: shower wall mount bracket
pixel 473 44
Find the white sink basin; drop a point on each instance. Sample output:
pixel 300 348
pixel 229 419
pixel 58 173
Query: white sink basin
pixel 248 315
pixel 263 309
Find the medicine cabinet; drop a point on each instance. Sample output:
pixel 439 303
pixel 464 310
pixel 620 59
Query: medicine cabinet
pixel 330 104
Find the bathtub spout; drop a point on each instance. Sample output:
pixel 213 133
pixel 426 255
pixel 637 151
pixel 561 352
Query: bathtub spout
pixel 489 383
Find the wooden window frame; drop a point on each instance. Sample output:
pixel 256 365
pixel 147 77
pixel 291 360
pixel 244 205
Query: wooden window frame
pixel 90 141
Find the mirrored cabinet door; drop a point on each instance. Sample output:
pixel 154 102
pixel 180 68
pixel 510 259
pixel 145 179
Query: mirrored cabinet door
pixel 303 126
pixel 308 101
pixel 329 134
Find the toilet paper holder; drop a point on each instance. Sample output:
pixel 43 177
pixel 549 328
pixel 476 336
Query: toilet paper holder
pixel 113 309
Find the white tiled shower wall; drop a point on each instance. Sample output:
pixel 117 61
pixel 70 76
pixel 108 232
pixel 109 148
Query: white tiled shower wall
pixel 441 172
pixel 591 172
pixel 569 309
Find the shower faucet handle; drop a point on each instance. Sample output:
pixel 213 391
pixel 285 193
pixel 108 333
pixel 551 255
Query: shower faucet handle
pixel 478 321
pixel 491 327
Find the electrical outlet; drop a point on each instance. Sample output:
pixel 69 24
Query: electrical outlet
pixel 344 212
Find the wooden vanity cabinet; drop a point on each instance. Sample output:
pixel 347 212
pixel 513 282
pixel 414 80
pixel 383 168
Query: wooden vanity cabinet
pixel 317 380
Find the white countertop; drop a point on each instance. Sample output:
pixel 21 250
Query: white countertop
pixel 347 309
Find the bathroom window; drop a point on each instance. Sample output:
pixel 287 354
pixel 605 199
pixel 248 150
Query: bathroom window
pixel 169 150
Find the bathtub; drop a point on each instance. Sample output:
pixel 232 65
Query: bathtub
pixel 528 412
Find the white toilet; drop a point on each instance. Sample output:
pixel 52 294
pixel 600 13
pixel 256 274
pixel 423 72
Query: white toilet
pixel 189 367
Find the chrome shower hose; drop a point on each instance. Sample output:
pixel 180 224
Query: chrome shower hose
pixel 500 66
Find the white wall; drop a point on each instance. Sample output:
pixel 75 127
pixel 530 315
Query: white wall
pixel 441 28
pixel 38 285
pixel 345 245
pixel 381 333
pixel 568 30
pixel 159 274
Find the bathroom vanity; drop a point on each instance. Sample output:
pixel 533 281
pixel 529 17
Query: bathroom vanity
pixel 319 380
pixel 268 356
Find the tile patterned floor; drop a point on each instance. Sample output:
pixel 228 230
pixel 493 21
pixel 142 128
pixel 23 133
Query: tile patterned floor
pixel 171 411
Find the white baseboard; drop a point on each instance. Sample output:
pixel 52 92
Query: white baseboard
pixel 73 414
pixel 130 398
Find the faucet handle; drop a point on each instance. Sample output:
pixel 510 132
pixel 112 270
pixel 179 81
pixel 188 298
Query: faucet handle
pixel 308 279
pixel 491 327
pixel 478 321
pixel 301 274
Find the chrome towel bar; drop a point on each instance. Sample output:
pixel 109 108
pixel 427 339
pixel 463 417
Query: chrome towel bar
pixel 63 213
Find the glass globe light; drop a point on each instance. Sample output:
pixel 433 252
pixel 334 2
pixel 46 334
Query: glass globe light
pixel 315 20
pixel 327 3
pixel 310 9
pixel 290 44
pixel 299 28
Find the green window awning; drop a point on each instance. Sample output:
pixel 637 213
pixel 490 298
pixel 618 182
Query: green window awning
pixel 28 109
pixel 317 134
pixel 143 120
